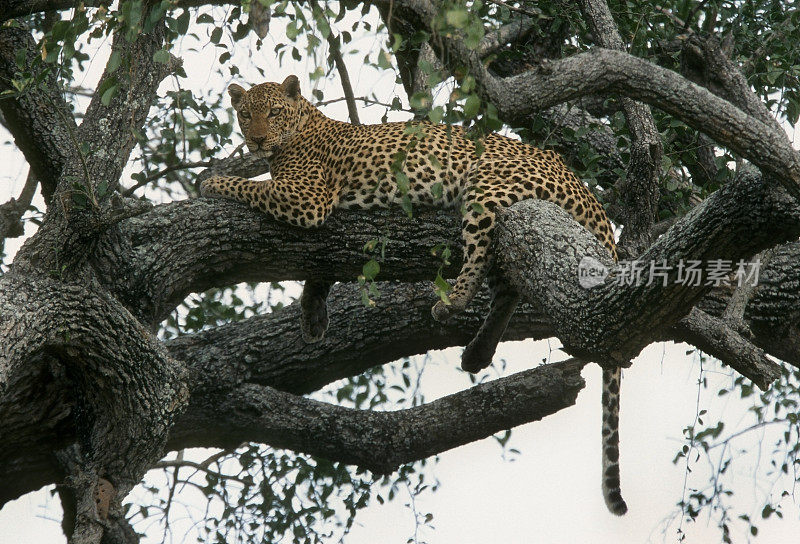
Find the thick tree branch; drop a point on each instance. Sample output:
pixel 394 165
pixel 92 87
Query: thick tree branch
pixel 37 116
pixel 602 71
pixel 110 130
pixel 540 255
pixel 512 32
pixel 707 63
pixel 640 193
pixel 379 441
pixel 717 338
pixel 238 244
pixel 123 387
pixel 270 350
pixel 237 163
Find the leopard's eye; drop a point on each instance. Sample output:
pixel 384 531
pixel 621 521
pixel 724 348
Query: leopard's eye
pixel 275 111
pixel 244 114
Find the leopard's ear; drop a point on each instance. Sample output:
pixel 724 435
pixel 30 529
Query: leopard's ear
pixel 291 86
pixel 236 92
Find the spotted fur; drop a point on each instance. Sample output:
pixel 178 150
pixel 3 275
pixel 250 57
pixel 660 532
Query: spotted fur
pixel 319 164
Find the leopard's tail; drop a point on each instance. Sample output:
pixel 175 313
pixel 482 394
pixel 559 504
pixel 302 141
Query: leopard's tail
pixel 611 489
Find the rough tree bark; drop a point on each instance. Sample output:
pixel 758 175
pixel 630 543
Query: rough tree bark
pixel 87 390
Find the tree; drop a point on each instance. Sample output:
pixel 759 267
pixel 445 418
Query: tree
pixel 674 115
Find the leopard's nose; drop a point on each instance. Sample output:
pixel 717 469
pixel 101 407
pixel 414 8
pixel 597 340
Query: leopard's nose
pixel 258 140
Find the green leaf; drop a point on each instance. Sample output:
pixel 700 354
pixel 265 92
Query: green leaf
pixel 403 182
pixel 102 189
pixel 420 100
pixel 292 30
pixel 457 18
pixel 108 95
pixel 371 269
pixel 434 162
pixel 397 43
pixel 80 201
pixel 405 203
pixel 474 34
pixel 441 288
pixel 436 114
pixel 114 61
pixel 471 106
pixel 182 22
pixel 318 73
pixel 437 190
pixel 216 35
pixel 324 27
pixel 384 60
pixel 161 56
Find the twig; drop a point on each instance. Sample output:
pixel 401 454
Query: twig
pixel 164 171
pixel 694 11
pixel 365 100
pixel 674 18
pixel 198 466
pixel 341 67
pixel 537 14
pixel 347 88
pixel 717 338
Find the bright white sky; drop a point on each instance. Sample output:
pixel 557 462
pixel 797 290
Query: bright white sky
pixel 550 493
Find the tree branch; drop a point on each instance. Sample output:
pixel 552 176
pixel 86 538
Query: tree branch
pixel 110 130
pixel 37 116
pixel 347 88
pixel 540 247
pixel 379 441
pixel 12 211
pixel 270 350
pixel 236 164
pixel 720 340
pixel 707 64
pixel 514 31
pixel 604 71
pixel 640 193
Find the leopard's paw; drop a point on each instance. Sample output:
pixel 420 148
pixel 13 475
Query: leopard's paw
pixel 314 327
pixel 441 311
pixel 476 357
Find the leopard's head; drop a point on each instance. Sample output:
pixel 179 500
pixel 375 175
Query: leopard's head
pixel 269 114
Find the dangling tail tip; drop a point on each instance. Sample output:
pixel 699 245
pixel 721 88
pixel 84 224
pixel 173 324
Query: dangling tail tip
pixel 616 505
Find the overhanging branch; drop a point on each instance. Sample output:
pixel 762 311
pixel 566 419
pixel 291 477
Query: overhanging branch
pixel 603 71
pixel 379 441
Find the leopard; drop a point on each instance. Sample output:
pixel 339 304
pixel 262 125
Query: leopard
pixel 319 165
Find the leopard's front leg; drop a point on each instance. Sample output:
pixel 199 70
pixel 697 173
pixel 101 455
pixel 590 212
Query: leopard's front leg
pixel 300 199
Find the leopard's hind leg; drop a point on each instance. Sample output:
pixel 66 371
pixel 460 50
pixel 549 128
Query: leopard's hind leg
pixel 490 185
pixel 314 309
pixel 477 228
pixel 479 352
